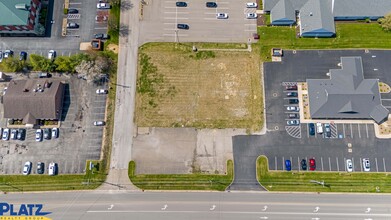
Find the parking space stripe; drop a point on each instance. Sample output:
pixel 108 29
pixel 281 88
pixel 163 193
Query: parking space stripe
pixel 283 161
pixel 171 12
pixel 359 133
pixel 329 164
pixel 275 162
pixel 337 163
pixel 360 164
pixel 366 125
pixel 298 163
pixel 321 161
pixel 377 168
pixel 171 18
pixel 343 126
pixel 384 164
pixel 352 163
pixel 351 131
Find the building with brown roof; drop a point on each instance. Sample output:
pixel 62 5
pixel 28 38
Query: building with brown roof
pixel 34 99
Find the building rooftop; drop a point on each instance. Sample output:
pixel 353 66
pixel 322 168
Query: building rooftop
pixel 14 12
pixel 346 95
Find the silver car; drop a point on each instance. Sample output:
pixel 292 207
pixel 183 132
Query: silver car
pixel 221 15
pixel 251 16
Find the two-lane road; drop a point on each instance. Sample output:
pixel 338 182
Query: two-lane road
pixel 207 205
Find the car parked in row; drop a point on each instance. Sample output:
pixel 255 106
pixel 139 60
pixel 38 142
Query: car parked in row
pixel 14 134
pixel 181 4
pixel 251 5
pixel 103 6
pixel 291 94
pixel 47 133
pixel 251 16
pixel 293 122
pixel 366 165
pixel 40 167
pixel 293 101
pixel 312 164
pixel 38 135
pixel 55 133
pixel 27 168
pixel 183 26
pixel 288 165
pixel 22 55
pixel 72 11
pixel 327 130
pixel 52 170
pixel 319 128
pixel 303 164
pixel 293 116
pixel 349 165
pixel 99 123
pixel 51 55
pixel 8 53
pixel 72 25
pixel 293 108
pixel 211 5
pixel 102 36
pixel 311 129
pixel 221 15
pixel 102 91
pixel 293 87
pixel 6 134
pixel 21 134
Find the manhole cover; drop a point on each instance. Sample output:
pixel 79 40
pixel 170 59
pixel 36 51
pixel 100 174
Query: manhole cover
pixel 274 94
pixel 276 128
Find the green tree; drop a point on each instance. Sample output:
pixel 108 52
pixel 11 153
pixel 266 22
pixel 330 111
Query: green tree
pixel 41 63
pixel 63 64
pixel 385 22
pixel 12 64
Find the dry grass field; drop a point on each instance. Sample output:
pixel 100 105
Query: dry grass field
pixel 208 89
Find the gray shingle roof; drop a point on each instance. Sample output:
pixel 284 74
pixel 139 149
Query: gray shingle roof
pixel 283 10
pixel 361 7
pixel 346 94
pixel 316 15
pixel 21 102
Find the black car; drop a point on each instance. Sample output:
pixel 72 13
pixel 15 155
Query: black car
pixel 183 26
pixel 327 130
pixel 21 134
pixel 211 5
pixel 181 4
pixel 22 56
pixel 102 36
pixel 311 129
pixel 40 168
pixel 303 164
pixel 72 11
pixel 293 101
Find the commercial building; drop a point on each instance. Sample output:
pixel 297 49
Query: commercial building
pixel 346 95
pixel 34 99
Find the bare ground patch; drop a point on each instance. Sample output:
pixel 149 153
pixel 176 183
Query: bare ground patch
pixel 206 90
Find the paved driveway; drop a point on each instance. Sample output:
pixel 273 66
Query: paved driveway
pixel 280 144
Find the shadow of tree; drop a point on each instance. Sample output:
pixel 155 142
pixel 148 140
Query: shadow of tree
pixel 126 5
pixel 124 30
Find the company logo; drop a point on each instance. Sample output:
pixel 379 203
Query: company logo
pixel 22 212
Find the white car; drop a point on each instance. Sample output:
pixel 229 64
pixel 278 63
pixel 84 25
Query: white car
pixel 6 134
pixel 51 54
pixel 8 53
pixel 221 15
pixel 251 5
pixel 14 133
pixel 366 165
pixel 38 135
pixel 102 91
pixel 292 108
pixel 251 15
pixel 103 6
pixel 52 169
pixel 27 168
pixel 319 128
pixel 349 165
pixel 99 123
pixel 55 133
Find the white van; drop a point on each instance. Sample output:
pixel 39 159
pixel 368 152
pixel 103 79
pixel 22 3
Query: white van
pixel 319 128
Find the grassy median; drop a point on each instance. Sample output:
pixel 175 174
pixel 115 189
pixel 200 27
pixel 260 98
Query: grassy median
pixel 371 35
pixel 333 181
pixel 181 181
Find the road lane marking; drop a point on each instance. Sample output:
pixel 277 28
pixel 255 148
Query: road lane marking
pixel 366 125
pixel 343 126
pixel 212 208
pixel 351 130
pixel 172 12
pixel 298 162
pixel 171 18
pixel 316 209
pixel 275 162
pixel 377 168
pixel 352 164
pixel 361 164
pixel 283 163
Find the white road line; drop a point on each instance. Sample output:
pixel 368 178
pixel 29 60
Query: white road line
pixel 75 3
pixel 352 164
pixel 171 18
pixel 291 162
pixel 359 133
pixel 169 7
pixel 343 126
pixel 377 168
pixel 308 133
pixel 321 161
pixel 209 13
pixel 360 164
pixel 384 164
pixel 298 163
pixel 283 161
pixel 337 163
pixel 168 23
pixel 172 12
pixel 170 29
pixel 100 28
pixel 329 164
pixel 366 125
pixel 386 99
pixel 179 35
pixel 275 162
pixel 211 19
pixel 351 130
pixel 252 25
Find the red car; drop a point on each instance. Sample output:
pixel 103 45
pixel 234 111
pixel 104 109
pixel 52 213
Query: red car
pixel 293 87
pixel 312 164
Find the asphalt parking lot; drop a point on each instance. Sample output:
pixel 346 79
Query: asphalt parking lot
pixel 79 140
pixel 348 141
pixel 160 19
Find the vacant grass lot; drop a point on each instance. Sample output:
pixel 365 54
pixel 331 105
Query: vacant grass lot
pixel 349 35
pixel 208 89
pixel 334 181
pixel 181 181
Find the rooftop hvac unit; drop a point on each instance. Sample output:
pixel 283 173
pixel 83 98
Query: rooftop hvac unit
pixel 22 7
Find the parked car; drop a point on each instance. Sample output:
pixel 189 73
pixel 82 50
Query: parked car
pixel 21 134
pixel 103 6
pixel 5 90
pixel 14 133
pixel 27 168
pixel 349 165
pixel 55 132
pixel 102 36
pixel 38 135
pixel 47 133
pixel 1 56
pixel 44 75
pixel 211 5
pixel 183 26
pixel 51 55
pixel 293 116
pixel 288 165
pixel 327 130
pixel 40 167
pixel 366 165
pixel 293 101
pixel 312 164
pixel 303 164
pixel 1 132
pixel 291 94
pixel 6 134
pixel 22 55
pixel 52 170
pixel 181 4
pixel 293 108
pixel 251 5
pixel 311 129
pixel 8 53
pixel 294 87
pixel 319 128
pixel 72 11
pixel 99 123
pixel 293 122
pixel 72 25
pixel 221 15
pixel 251 16
pixel 102 91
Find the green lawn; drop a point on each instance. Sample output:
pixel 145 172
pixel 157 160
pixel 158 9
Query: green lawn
pixel 349 35
pixel 334 181
pixel 181 181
